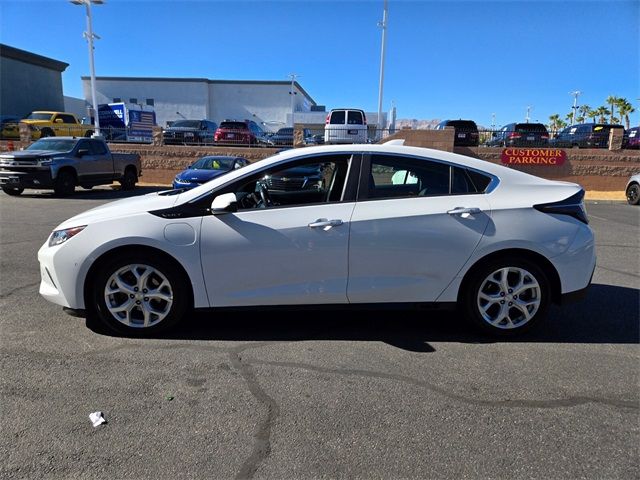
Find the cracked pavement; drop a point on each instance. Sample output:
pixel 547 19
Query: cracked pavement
pixel 317 394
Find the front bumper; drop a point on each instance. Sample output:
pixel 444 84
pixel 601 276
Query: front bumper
pixel 58 276
pixel 32 179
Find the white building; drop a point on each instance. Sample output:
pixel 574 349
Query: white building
pixel 268 103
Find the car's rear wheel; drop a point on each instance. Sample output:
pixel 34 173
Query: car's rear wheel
pixel 13 191
pixel 129 179
pixel 65 183
pixel 46 132
pixel 506 296
pixel 633 194
pixel 140 294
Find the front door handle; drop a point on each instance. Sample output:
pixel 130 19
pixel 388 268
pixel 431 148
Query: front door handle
pixel 324 223
pixel 464 210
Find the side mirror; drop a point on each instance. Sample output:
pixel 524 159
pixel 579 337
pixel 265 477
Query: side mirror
pixel 83 151
pixel 225 203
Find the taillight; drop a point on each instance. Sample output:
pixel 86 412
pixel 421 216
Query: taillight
pixel 326 122
pixel 364 118
pixel 546 137
pixel 572 206
pixel 514 135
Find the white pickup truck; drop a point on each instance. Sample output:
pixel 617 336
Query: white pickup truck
pixel 62 163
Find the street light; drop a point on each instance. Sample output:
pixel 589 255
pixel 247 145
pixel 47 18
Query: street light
pixel 575 94
pixel 383 26
pixel 89 35
pixel 293 77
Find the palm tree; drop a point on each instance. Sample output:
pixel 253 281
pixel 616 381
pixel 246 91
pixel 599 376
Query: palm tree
pixel 612 100
pixel 602 113
pixel 624 109
pixel 592 115
pixel 584 111
pixel 554 122
pixel 561 124
pixel 579 119
pixel 569 118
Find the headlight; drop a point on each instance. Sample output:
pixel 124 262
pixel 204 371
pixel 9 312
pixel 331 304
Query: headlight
pixel 45 162
pixel 61 236
pixel 179 180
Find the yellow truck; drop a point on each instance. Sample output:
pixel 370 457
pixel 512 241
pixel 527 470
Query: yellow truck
pixel 56 124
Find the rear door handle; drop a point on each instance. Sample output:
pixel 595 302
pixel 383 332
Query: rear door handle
pixel 324 223
pixel 464 210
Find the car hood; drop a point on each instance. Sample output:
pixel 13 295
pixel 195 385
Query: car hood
pixel 123 208
pixel 199 175
pixel 28 154
pixel 36 122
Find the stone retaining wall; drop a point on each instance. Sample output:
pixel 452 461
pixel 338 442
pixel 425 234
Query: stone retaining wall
pixel 594 169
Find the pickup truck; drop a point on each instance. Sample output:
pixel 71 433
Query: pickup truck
pixel 55 124
pixel 61 163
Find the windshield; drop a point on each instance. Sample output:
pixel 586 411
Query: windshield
pixel 186 124
pixel 56 145
pixel 39 116
pixel 285 131
pixel 214 163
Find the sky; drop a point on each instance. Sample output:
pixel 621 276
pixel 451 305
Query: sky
pixel 444 59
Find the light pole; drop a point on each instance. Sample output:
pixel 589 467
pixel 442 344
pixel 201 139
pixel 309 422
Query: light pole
pixel 529 108
pixel 383 26
pixel 89 35
pixel 575 105
pixel 293 77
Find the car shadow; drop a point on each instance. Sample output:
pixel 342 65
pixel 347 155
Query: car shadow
pixel 102 193
pixel 609 314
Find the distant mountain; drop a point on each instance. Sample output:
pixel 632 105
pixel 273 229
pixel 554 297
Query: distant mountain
pixel 416 124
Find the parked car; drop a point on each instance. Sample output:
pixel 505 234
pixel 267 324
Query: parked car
pixel 632 138
pixel 61 163
pixel 207 168
pixel 500 243
pixel 520 135
pixel 9 127
pixel 584 135
pixel 284 136
pixel 466 132
pixel 345 125
pixel 633 190
pixel 190 132
pixel 246 132
pixel 56 124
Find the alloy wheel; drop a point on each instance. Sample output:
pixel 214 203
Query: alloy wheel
pixel 138 296
pixel 509 298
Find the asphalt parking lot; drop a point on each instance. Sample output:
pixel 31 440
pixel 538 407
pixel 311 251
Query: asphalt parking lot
pixel 372 394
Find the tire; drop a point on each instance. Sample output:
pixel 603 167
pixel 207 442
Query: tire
pixel 46 132
pixel 65 183
pixel 633 194
pixel 148 288
pixel 129 179
pixel 13 191
pixel 489 304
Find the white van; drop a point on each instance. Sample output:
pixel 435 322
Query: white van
pixel 345 125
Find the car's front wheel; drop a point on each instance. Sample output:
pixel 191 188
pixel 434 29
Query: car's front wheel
pixel 506 296
pixel 140 294
pixel 13 191
pixel 633 194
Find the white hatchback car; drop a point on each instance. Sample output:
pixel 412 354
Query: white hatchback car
pixel 499 243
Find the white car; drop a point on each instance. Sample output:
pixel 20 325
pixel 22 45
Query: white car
pixel 345 125
pixel 632 190
pixel 499 243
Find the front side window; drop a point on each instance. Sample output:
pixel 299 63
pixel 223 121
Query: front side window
pixel 303 182
pixel 98 148
pixel 67 118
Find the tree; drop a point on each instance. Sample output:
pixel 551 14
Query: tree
pixel 584 111
pixel 612 100
pixel 579 119
pixel 554 122
pixel 561 124
pixel 592 115
pixel 602 113
pixel 624 109
pixel 569 118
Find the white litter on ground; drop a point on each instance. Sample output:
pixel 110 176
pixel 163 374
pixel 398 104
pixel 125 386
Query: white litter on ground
pixel 97 418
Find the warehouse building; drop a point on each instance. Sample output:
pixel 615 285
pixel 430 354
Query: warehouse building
pixel 29 82
pixel 267 103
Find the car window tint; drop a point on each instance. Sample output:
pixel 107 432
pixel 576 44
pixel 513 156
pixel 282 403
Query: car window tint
pixel 354 118
pixel 397 177
pixel 67 118
pixel 480 181
pixel 337 117
pixel 310 181
pixel 97 147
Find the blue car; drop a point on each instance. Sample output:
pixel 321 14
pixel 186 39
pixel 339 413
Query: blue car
pixel 207 168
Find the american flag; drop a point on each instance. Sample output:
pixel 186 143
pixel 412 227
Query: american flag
pixel 142 121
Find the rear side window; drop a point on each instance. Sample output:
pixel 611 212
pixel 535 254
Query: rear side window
pixel 531 127
pixel 66 118
pixel 355 118
pixel 337 117
pixel 479 181
pixel 98 148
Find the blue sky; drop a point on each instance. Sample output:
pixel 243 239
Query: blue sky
pixel 445 59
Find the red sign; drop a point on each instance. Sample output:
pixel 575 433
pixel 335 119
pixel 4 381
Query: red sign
pixel 533 156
